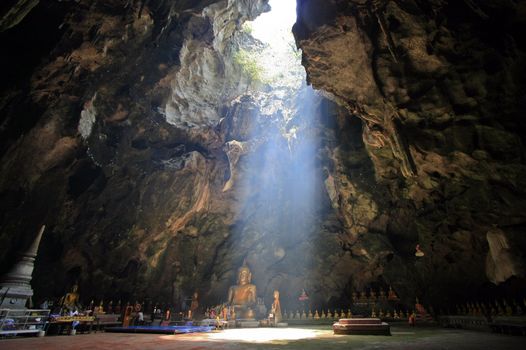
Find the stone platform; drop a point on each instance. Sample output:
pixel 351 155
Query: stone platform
pixel 247 323
pixel 361 326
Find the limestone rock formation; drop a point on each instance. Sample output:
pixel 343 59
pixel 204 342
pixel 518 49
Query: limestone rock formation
pixel 501 263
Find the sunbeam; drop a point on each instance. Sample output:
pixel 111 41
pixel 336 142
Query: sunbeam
pixel 280 179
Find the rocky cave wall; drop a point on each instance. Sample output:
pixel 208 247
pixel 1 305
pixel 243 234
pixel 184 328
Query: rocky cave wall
pixel 98 162
pixel 120 121
pixel 439 86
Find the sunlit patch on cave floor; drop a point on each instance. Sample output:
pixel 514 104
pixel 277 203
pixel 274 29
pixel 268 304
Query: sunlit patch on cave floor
pixel 258 335
pixel 264 335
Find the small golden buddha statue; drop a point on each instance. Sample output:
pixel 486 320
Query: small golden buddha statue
pixel 500 309
pixel 493 312
pixel 276 308
pixel 194 305
pixel 118 307
pixel 242 296
pixel 508 309
pixel 303 315
pixel 336 314
pixel 316 315
pixel 100 309
pixel 310 315
pixel 363 297
pixel 372 296
pixel 70 301
pixel 418 251
pixel 518 310
pixel 478 309
pixel 297 315
pixel 392 295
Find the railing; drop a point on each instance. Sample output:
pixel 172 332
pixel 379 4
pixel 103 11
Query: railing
pixel 22 321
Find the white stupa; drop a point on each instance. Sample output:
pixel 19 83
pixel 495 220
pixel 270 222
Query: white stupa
pixel 15 286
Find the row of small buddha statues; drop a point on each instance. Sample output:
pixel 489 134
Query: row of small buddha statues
pixel 71 301
pixel 316 315
pixel 304 315
pixel 373 296
pixel 117 308
pixel 114 309
pixel 503 308
pixel 397 315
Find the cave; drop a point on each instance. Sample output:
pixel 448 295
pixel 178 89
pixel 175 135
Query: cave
pixel 363 158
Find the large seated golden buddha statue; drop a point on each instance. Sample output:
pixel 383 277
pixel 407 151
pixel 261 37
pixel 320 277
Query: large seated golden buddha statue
pixel 242 296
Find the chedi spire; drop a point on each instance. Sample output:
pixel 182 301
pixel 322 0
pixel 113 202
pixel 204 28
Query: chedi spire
pixel 15 286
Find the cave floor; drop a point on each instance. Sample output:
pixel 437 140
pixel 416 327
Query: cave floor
pixel 304 338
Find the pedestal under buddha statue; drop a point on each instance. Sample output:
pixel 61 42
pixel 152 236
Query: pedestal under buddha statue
pixel 242 296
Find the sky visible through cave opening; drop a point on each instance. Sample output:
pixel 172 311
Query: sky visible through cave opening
pixel 280 60
pixel 281 180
